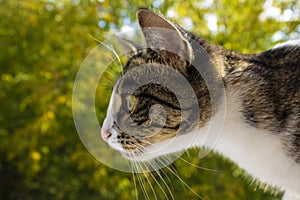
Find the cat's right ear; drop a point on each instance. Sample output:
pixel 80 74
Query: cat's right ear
pixel 130 47
pixel 162 34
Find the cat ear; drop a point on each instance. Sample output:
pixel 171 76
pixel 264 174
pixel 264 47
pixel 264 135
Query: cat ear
pixel 129 45
pixel 161 34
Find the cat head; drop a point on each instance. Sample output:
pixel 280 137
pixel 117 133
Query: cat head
pixel 160 96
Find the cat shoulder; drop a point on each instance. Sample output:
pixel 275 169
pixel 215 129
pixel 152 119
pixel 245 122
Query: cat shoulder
pixel 288 43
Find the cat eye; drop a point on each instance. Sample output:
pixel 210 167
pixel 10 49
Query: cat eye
pixel 131 102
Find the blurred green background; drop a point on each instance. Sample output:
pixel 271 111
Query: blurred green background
pixel 42 46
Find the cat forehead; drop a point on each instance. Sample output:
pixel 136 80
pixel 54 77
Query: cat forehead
pixel 144 56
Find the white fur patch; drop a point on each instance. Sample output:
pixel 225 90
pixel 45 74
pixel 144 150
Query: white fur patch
pixel 260 153
pixel 287 43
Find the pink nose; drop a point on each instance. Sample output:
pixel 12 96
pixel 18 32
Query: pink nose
pixel 105 134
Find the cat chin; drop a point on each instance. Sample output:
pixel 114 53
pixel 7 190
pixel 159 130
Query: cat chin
pixel 151 161
pixel 169 149
pixel 147 155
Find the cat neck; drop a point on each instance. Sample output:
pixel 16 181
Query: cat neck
pixel 259 152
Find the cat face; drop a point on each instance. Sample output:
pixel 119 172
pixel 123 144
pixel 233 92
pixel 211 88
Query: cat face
pixel 151 102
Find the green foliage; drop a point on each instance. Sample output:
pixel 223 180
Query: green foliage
pixel 42 46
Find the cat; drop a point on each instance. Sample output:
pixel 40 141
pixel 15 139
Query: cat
pixel 261 131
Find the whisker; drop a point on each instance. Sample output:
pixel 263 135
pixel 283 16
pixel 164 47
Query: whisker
pixel 135 187
pixel 158 184
pixel 149 182
pixel 186 185
pixel 141 177
pixel 134 181
pixel 141 182
pixel 175 173
pixel 168 188
pixel 203 168
pixel 169 167
pixel 111 49
pixel 166 175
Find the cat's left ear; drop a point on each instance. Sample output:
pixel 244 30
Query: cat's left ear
pixel 161 34
pixel 129 45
